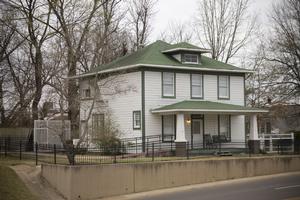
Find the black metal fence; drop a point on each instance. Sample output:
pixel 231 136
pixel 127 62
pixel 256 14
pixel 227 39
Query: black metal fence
pixel 126 152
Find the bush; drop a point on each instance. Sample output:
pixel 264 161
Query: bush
pixel 109 145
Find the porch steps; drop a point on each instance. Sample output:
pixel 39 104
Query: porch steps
pixel 223 153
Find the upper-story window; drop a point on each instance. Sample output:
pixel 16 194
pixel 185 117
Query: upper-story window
pixel 190 58
pixel 86 93
pixel 223 87
pixel 196 86
pixel 168 84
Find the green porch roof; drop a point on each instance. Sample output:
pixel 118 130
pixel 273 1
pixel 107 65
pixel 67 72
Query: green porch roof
pixel 152 55
pixel 206 107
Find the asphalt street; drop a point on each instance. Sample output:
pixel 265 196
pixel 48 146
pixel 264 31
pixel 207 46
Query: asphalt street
pixel 275 187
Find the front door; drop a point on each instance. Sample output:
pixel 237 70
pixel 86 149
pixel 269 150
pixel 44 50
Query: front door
pixel 197 131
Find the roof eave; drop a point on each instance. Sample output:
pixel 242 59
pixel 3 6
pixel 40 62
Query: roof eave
pixel 166 111
pixel 160 66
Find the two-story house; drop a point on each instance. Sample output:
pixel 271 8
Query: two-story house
pixel 174 91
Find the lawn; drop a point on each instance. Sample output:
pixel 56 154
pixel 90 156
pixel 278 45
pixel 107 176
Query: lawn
pixel 11 186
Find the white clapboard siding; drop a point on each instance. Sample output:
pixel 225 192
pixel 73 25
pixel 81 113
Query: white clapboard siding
pixel 120 106
pixel 153 98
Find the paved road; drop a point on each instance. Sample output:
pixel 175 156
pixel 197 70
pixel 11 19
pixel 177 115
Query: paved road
pixel 276 187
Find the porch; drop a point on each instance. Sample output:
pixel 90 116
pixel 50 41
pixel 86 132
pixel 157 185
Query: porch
pixel 206 124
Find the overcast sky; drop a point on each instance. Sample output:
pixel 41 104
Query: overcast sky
pixel 184 10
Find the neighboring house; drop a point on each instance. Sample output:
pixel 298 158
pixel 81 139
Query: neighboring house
pixel 175 91
pixel 282 118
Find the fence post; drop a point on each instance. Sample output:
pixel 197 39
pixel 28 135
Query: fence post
pixel 5 148
pixel 136 146
pixel 152 151
pixel 115 155
pixel 54 153
pixel 36 153
pixel 122 149
pixel 147 143
pixel 187 151
pixel 249 150
pixel 278 150
pixel 20 150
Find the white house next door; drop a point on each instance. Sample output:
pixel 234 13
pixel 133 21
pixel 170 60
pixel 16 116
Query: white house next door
pixel 197 131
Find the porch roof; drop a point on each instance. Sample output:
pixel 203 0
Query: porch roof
pixel 206 107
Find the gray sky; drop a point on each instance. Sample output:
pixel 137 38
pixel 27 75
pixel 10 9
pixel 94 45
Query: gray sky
pixel 184 10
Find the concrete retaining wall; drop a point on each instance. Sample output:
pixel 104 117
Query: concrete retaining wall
pixel 95 181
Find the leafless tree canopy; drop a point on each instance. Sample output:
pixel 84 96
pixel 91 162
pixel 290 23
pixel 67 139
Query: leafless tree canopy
pixel 140 12
pixel 224 27
pixel 284 54
pixel 177 32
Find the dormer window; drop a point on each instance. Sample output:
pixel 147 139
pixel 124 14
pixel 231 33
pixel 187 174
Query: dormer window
pixel 190 58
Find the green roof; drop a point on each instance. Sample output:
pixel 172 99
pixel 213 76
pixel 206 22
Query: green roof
pixel 182 45
pixel 206 106
pixel 152 55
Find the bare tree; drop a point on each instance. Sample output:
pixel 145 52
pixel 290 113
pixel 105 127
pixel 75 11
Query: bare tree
pixel 140 13
pixel 224 27
pixel 284 53
pixel 74 19
pixel 177 32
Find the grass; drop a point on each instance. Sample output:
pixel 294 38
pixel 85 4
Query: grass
pixel 11 186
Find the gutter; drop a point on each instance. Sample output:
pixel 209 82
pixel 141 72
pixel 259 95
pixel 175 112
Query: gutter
pixel 209 111
pixel 159 66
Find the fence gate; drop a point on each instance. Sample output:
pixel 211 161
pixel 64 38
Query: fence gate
pixel 48 132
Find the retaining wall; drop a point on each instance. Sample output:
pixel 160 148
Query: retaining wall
pixel 96 181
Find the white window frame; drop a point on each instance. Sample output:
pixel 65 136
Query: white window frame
pixel 228 126
pixel 84 93
pixel 198 85
pixel 190 59
pixel 227 87
pixel 173 85
pixel 136 117
pixel 168 137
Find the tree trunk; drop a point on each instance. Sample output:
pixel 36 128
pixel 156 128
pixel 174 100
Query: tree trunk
pixel 38 84
pixel 2 112
pixel 72 96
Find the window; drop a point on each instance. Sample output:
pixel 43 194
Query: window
pixel 196 86
pixel 86 93
pixel 168 128
pixel 224 128
pixel 168 84
pixel 136 119
pixel 223 87
pixel 190 58
pixel 98 125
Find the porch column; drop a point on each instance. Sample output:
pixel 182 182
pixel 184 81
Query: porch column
pixel 180 141
pixel 254 143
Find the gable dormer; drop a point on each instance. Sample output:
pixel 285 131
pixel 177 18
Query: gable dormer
pixel 186 53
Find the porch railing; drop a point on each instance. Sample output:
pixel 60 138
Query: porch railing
pixel 276 142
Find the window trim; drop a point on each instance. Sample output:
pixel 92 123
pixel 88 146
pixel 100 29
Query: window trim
pixel 162 85
pixel 133 120
pixel 162 129
pixel 218 88
pixel 229 128
pixel 83 93
pixel 93 127
pixel 191 86
pixel 182 58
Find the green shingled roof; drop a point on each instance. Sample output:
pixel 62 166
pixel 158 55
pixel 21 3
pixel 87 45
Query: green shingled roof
pixel 182 45
pixel 206 106
pixel 152 55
